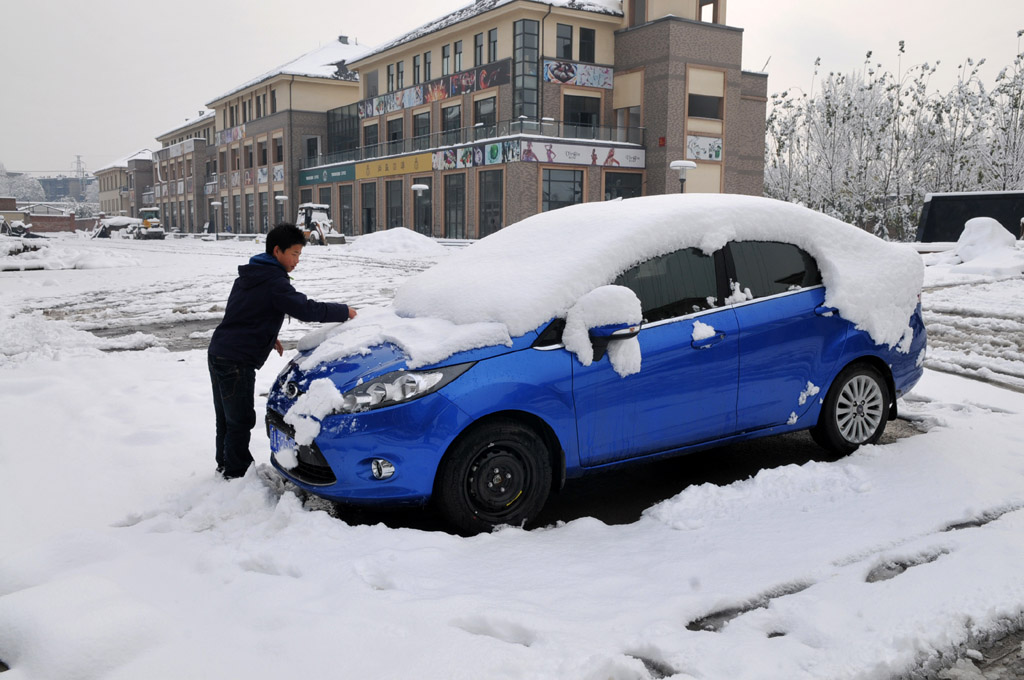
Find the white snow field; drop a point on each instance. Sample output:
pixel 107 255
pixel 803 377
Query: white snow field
pixel 123 555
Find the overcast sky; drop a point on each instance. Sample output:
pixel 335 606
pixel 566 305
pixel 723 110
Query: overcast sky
pixel 101 79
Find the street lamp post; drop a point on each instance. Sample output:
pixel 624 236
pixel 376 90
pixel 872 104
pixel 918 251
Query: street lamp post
pixel 419 189
pixel 281 200
pixel 681 167
pixel 216 218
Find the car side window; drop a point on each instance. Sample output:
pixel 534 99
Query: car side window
pixel 673 285
pixel 769 268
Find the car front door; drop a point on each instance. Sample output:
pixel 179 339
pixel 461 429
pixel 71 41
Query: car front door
pixel 685 392
pixel 789 341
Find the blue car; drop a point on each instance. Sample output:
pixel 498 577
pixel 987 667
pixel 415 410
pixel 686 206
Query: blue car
pixel 599 335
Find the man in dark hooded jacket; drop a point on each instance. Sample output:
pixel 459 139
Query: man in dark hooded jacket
pixel 260 298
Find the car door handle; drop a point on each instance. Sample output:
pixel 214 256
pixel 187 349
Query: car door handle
pixel 826 311
pixel 705 343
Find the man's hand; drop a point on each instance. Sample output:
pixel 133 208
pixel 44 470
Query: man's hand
pixel 279 347
pixel 351 313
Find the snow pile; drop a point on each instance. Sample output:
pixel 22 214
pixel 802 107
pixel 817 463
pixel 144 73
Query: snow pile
pixel 35 336
pixel 985 250
pixel 605 306
pixel 982 236
pixel 521 276
pixel 16 255
pixel 398 241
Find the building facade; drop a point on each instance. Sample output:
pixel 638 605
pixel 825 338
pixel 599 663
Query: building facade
pixel 123 182
pixel 502 110
pixel 266 130
pixel 179 174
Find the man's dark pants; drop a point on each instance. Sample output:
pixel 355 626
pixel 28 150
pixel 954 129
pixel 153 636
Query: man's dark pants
pixel 233 385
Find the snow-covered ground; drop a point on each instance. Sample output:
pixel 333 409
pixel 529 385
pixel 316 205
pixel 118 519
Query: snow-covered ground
pixel 122 556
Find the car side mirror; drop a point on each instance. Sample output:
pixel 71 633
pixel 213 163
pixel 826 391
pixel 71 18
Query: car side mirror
pixel 601 336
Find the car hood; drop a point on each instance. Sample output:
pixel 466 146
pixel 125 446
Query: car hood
pixel 351 370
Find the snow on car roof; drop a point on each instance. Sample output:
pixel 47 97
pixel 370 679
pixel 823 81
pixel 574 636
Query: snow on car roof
pixel 512 281
pixel 535 270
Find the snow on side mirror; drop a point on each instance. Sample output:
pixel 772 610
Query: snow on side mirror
pixel 606 319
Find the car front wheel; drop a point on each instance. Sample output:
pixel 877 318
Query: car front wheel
pixel 855 411
pixel 498 473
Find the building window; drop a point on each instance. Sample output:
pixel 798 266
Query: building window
pixel 370 141
pixel 416 70
pixel 279 149
pixel 561 188
pixel 370 78
pixel 492 193
pixel 264 213
pixel 248 156
pixel 623 185
pixel 422 210
pixel 312 151
pixel 305 196
pixel 343 130
pixel 582 115
pixel 451 124
pixel 526 46
pixel 393 198
pixel 421 130
pixel 492 45
pixel 704 106
pixel 368 205
pixel 478 49
pixel 446 60
pixel 484 118
pixel 426 66
pixel 563 41
pixel 261 153
pixel 400 75
pixel 345 209
pixel 391 78
pixel 588 45
pixel 250 213
pixel 457 66
pixel 236 214
pixel 259 108
pixel 455 205
pixel 395 130
pixel 638 12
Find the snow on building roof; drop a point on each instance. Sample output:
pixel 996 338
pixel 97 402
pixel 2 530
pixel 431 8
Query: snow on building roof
pixel 203 115
pixel 322 62
pixel 612 7
pixel 141 154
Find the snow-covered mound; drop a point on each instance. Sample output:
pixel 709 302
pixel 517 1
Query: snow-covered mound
pixel 983 236
pixel 398 241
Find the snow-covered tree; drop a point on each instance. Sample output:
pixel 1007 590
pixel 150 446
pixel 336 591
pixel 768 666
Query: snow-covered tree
pixel 866 147
pixel 21 187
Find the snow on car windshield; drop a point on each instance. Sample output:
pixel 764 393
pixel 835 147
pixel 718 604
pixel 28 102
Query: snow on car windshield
pixel 537 269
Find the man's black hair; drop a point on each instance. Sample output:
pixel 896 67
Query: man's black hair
pixel 284 236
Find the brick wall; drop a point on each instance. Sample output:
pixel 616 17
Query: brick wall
pixel 50 223
pixel 8 203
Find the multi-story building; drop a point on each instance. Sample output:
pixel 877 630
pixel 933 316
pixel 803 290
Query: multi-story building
pixel 180 171
pixel 511 107
pixel 123 182
pixel 267 128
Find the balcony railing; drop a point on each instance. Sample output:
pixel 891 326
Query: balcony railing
pixel 481 133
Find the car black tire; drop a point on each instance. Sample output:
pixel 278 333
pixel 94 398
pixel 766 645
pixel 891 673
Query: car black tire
pixel 496 474
pixel 855 411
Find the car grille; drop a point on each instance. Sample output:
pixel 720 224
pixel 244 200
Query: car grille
pixel 312 468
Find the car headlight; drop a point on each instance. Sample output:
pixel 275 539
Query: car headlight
pixel 398 387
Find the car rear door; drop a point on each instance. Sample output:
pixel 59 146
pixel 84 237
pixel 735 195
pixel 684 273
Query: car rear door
pixel 789 342
pixel 685 392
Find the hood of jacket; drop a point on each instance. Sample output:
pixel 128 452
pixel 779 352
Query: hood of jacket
pixel 261 268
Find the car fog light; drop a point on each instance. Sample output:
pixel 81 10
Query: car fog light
pixel 381 468
pixel 291 390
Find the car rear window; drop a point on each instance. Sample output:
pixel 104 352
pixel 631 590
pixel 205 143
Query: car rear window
pixel 673 285
pixel 769 268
